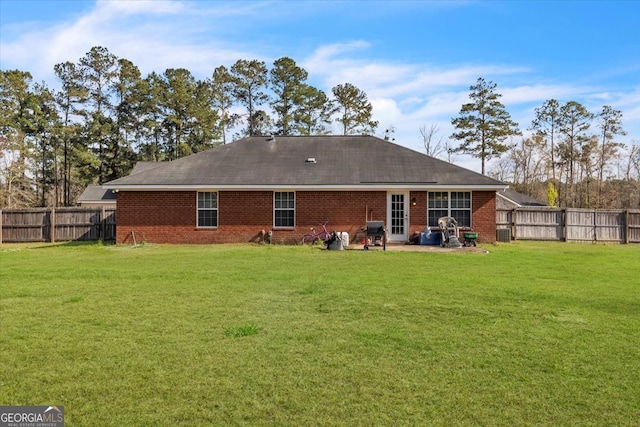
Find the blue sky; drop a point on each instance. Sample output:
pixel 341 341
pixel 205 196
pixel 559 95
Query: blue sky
pixel 414 59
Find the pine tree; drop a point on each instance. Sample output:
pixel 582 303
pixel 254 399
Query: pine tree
pixel 484 124
pixel 20 124
pixel 610 124
pixel 70 99
pixel 249 82
pixel 573 123
pixel 99 69
pixel 287 80
pixel 354 110
pixel 221 86
pixel 314 111
pixel 545 124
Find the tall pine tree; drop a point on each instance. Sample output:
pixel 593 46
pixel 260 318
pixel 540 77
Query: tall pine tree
pixel 354 110
pixel 484 124
pixel 249 80
pixel 287 80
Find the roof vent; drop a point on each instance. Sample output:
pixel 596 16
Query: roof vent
pixel 311 160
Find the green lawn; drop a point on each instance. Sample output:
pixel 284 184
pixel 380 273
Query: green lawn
pixel 528 334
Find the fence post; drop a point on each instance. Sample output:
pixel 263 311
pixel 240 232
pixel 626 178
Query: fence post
pixel 103 225
pixel 52 225
pixel 0 226
pixel 626 226
pixel 514 226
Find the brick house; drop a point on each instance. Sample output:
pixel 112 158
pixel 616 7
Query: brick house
pixel 287 184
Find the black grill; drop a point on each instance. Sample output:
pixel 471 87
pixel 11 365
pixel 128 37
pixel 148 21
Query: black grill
pixel 376 235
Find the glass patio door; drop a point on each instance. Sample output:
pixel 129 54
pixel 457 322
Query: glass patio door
pixel 397 217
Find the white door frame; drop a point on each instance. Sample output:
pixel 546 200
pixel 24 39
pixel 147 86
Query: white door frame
pixel 398 231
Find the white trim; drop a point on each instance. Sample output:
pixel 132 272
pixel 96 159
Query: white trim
pixel 273 198
pixel 449 208
pixel 363 187
pixel 407 221
pixel 97 204
pixel 207 209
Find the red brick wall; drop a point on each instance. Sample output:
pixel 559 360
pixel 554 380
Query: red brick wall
pixel 155 216
pixel 346 210
pixel 170 217
pixel 417 212
pixel 483 204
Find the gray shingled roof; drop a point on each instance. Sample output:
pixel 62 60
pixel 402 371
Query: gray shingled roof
pixel 287 161
pixel 144 166
pixel 95 194
pixel 521 199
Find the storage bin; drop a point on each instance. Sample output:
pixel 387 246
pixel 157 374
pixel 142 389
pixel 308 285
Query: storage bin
pixel 430 238
pixel 344 236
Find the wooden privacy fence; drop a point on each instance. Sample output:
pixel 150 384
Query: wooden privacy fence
pixel 57 224
pixel 580 225
pixel 572 225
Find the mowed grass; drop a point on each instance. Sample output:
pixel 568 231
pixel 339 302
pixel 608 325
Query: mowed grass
pixel 527 334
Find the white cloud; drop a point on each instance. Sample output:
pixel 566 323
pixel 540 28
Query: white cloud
pixel 393 79
pixel 538 93
pixel 111 8
pixel 153 35
pixel 442 103
pixel 629 103
pixel 325 54
pixel 386 110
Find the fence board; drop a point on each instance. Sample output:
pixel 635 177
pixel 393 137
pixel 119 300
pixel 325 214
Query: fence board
pixel 109 223
pixel 78 224
pixel 633 226
pixel 539 224
pixel 25 225
pixel 580 225
pixel 610 226
pixel 63 224
pixel 503 219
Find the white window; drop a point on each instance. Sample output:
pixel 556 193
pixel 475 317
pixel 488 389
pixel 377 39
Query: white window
pixel 208 209
pixel 284 209
pixel 456 204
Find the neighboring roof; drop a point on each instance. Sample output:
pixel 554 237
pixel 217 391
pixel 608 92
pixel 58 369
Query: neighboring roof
pixel 97 194
pixel 519 198
pixel 306 161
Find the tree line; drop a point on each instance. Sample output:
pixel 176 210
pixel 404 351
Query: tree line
pixel 570 159
pixel 574 159
pixel 106 116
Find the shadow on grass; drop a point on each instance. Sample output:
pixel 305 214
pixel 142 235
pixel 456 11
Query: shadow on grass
pixel 74 243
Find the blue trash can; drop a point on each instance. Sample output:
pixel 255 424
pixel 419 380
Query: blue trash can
pixel 430 238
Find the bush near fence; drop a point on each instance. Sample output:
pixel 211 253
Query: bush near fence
pixel 571 225
pixel 57 224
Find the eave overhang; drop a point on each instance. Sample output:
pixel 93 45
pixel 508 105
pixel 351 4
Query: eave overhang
pixel 332 187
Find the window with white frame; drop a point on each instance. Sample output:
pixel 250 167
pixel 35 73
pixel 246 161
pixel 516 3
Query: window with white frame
pixel 208 209
pixel 284 209
pixel 456 204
